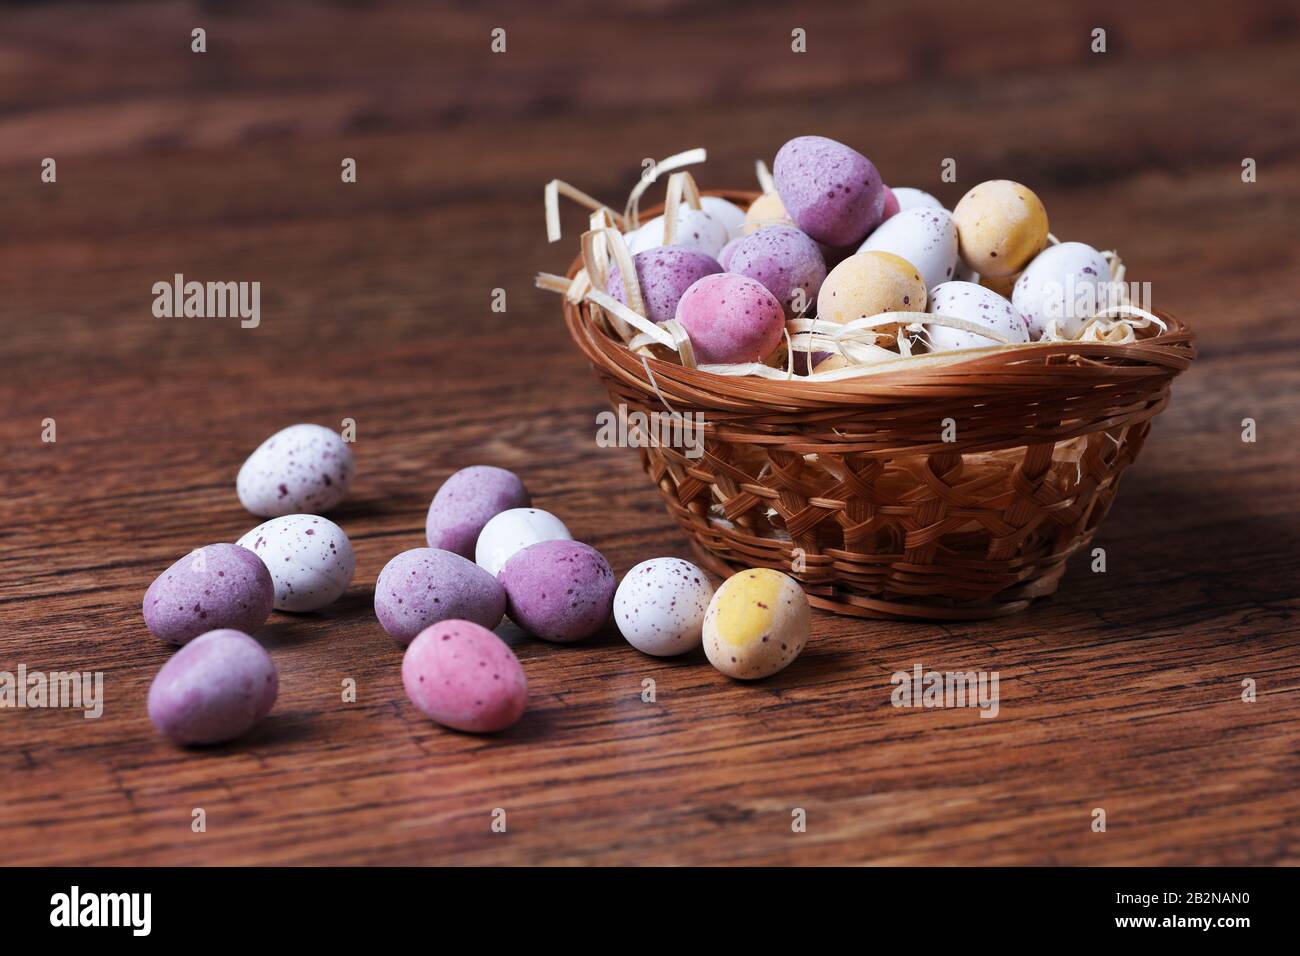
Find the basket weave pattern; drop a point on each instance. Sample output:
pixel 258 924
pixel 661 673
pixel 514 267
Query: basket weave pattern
pixel 850 487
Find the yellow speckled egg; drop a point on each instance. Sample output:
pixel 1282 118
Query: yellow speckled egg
pixel 767 210
pixel 1001 225
pixel 869 283
pixel 756 624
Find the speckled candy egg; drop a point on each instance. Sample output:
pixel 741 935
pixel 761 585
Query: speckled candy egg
pixel 299 468
pixel 784 260
pixel 869 283
pixel 465 677
pixel 909 198
pixel 467 501
pixel 891 207
pixel 660 604
pixel 215 688
pixel 664 273
pixel 756 624
pixel 559 591
pixel 763 213
pixel 731 318
pixel 309 557
pixel 512 531
pixel 924 237
pixel 696 229
pixel 423 586
pixel 726 212
pixel 219 586
pixel 1001 225
pixel 1068 283
pixel 973 303
pixel 724 257
pixel 832 192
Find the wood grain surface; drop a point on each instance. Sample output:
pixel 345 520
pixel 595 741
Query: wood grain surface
pixel 1123 692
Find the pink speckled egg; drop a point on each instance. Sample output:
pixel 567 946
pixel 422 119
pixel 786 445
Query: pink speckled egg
pixel 731 318
pixel 218 586
pixel 832 192
pixel 785 261
pixel 559 590
pixel 467 501
pixel 217 687
pixel 465 677
pixel 664 272
pixel 423 586
pixel 892 206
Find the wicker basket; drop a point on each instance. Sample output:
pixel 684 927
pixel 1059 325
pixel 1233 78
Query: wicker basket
pixel 849 487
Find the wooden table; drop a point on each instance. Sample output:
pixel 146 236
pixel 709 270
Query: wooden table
pixel 1123 692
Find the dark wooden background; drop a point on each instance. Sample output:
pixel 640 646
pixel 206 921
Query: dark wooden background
pixel 1122 692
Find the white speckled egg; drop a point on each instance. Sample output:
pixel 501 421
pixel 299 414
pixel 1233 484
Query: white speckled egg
pixel 660 606
pixel 1068 282
pixel 512 531
pixel 299 468
pixel 726 212
pixel 973 303
pixel 696 229
pixel 909 198
pixel 924 236
pixel 756 624
pixel 309 557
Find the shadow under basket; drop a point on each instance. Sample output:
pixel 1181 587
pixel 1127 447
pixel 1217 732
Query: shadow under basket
pixel 849 487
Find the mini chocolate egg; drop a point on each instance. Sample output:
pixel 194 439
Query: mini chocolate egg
pixel 217 687
pixel 756 624
pixel 924 237
pixel 696 229
pixel 559 591
pixel 891 207
pixel 423 586
pixel 786 262
pixel 869 283
pixel 664 273
pixel 909 198
pixel 512 531
pixel 764 212
pixel 1001 225
pixel 467 501
pixel 724 257
pixel 726 212
pixel 660 605
pixel 214 587
pixel 299 468
pixel 832 192
pixel 465 677
pixel 309 557
pixel 973 303
pixel 731 318
pixel 1068 283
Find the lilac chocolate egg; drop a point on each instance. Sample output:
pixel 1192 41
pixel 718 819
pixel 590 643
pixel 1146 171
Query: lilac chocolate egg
pixel 559 590
pixel 731 318
pixel 465 677
pixel 787 263
pixel 724 257
pixel 218 586
pixel 665 273
pixel 215 688
pixel 832 192
pixel 467 501
pixel 423 586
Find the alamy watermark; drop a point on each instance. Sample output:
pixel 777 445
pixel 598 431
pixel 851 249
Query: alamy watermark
pixel 75 908
pixel 922 688
pixel 624 429
pixel 78 690
pixel 208 300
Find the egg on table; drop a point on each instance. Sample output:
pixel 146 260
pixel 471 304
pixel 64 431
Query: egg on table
pixel 660 606
pixel 463 676
pixel 467 501
pixel 973 303
pixel 1068 282
pixel 214 587
pixel 786 262
pixel 559 591
pixel 731 318
pixel 831 191
pixel 756 624
pixel 868 283
pixel 696 229
pixel 1001 225
pixel 923 236
pixel 512 531
pixel 664 274
pixel 299 468
pixel 423 586
pixel 217 687
pixel 309 557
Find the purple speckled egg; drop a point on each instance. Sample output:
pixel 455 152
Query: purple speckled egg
pixel 784 260
pixel 467 501
pixel 218 586
pixel 731 318
pixel 832 192
pixel 217 687
pixel 464 677
pixel 559 590
pixel 425 585
pixel 664 273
